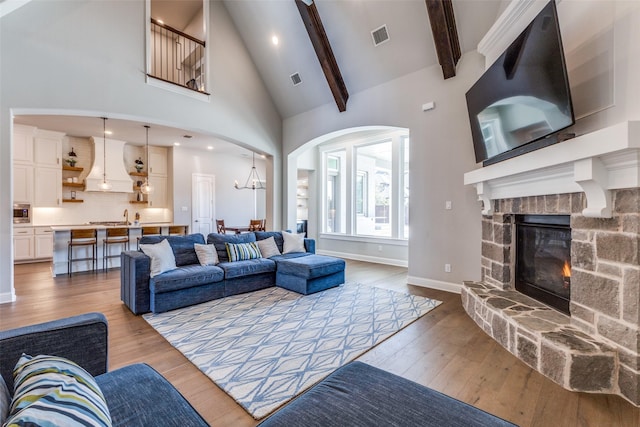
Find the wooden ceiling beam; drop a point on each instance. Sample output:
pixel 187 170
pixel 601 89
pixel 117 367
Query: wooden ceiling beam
pixel 320 42
pixel 445 35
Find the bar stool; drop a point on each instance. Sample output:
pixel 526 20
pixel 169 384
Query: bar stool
pixel 177 230
pixel 149 231
pixel 83 238
pixel 115 236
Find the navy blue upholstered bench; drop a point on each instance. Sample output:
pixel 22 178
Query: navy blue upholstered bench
pixel 358 394
pixel 309 274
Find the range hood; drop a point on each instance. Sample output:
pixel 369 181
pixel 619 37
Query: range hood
pixel 117 174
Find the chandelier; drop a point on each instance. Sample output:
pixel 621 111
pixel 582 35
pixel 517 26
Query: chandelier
pixel 146 187
pixel 253 180
pixel 104 185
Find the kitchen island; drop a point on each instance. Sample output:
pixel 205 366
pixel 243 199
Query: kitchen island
pixel 62 234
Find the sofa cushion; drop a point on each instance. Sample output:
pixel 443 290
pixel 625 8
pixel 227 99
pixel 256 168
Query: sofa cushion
pixel 247 268
pixel 162 257
pixel 220 241
pixel 187 276
pixel 268 247
pixel 207 254
pixel 139 396
pixel 5 401
pixel 243 251
pixel 277 237
pixel 310 267
pixel 293 242
pixel 182 246
pixel 51 390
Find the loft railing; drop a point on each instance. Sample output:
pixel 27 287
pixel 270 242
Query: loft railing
pixel 177 57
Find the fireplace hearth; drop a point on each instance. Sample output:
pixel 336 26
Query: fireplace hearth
pixel 543 259
pixel 594 348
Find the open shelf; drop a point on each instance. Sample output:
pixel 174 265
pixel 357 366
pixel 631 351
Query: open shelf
pixel 136 202
pixel 72 201
pixel 138 173
pixel 72 168
pixel 73 184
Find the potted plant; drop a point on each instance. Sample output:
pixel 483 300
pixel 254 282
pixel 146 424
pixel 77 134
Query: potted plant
pixel 71 161
pixel 139 164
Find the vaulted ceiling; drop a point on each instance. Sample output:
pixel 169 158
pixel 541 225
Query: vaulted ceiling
pixel 348 25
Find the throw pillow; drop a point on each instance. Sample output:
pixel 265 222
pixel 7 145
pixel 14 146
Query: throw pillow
pixel 5 401
pixel 293 242
pixel 162 258
pixel 242 251
pixel 268 247
pixel 51 390
pixel 207 254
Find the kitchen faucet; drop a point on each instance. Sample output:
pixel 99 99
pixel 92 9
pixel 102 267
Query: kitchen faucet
pixel 126 216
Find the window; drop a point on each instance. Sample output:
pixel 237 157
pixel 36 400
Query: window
pixel 335 200
pixel 374 175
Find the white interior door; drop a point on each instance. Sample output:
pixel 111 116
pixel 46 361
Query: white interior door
pixel 203 188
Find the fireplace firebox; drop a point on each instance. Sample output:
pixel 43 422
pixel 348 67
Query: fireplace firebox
pixel 543 259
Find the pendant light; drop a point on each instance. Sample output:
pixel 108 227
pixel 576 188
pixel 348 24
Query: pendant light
pixel 146 187
pixel 104 185
pixel 253 178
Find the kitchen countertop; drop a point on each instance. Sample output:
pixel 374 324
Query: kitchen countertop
pixel 114 225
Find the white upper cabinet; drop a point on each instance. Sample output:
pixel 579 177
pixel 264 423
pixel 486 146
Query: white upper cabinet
pixel 158 161
pixel 48 149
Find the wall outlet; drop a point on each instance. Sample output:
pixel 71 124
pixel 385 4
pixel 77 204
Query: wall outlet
pixel 447 268
pixel 447 205
pixel 184 208
pixel 379 248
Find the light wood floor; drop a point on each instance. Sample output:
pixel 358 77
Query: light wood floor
pixel 443 350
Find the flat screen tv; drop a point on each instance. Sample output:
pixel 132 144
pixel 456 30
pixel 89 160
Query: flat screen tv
pixel 523 100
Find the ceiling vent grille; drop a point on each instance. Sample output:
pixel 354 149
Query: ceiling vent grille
pixel 380 35
pixel 295 79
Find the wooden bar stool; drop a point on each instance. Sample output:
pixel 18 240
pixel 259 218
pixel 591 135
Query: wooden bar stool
pixel 83 238
pixel 115 236
pixel 177 230
pixel 149 231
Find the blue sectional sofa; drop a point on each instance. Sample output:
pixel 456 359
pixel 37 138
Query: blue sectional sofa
pixel 192 283
pixel 135 395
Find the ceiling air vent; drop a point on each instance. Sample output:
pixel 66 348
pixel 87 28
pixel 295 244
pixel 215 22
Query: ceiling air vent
pixel 295 78
pixel 380 35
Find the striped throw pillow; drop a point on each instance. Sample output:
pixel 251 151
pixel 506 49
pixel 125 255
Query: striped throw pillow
pixel 51 390
pixel 242 251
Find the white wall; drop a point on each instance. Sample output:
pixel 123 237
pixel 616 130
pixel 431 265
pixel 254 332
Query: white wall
pixel 88 57
pixel 440 152
pixel 234 206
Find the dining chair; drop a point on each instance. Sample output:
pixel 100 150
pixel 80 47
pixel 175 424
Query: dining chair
pixel 255 225
pixel 220 226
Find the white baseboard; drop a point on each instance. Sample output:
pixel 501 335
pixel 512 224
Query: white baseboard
pixel 366 258
pixel 7 297
pixel 435 284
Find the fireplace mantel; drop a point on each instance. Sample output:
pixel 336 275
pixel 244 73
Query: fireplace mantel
pixel 594 163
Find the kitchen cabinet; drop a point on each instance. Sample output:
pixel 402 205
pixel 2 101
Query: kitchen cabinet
pixel 23 244
pixel 47 148
pixel 22 183
pixel 23 144
pixel 158 161
pixel 43 242
pixel 158 197
pixel 47 187
pixel 23 170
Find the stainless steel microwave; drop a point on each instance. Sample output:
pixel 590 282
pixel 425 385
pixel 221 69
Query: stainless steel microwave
pixel 21 213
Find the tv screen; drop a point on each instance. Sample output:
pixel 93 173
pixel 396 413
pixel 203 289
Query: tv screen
pixel 524 97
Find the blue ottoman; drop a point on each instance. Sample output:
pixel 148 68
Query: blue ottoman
pixel 309 274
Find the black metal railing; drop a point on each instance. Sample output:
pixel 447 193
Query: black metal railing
pixel 177 57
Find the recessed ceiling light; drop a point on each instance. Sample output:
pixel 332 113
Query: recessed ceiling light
pixel 177 144
pixel 209 147
pixel 108 132
pixel 275 40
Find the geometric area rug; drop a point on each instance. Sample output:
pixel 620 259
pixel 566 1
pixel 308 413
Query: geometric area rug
pixel 263 348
